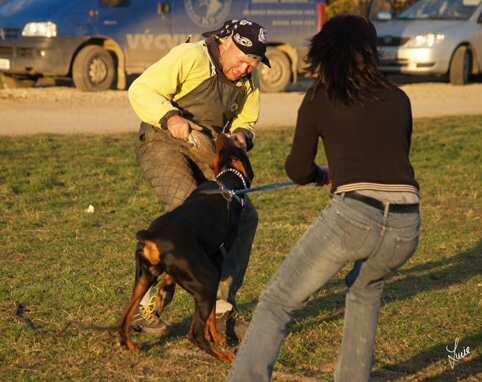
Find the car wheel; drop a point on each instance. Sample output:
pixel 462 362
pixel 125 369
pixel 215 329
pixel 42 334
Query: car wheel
pixel 276 78
pixel 93 69
pixel 460 66
pixel 11 81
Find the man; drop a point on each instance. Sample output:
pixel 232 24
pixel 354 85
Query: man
pixel 185 100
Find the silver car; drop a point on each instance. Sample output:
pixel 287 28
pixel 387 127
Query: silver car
pixel 433 37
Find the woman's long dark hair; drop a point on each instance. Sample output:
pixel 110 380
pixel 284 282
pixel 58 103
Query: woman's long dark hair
pixel 344 58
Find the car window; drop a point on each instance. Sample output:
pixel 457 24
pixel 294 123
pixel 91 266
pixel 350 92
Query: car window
pixel 392 7
pixel 440 10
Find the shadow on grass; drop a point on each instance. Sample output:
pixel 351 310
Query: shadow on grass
pixel 408 282
pixel 439 274
pixel 465 367
pixel 429 276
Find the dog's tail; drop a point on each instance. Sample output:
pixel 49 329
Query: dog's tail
pixel 148 257
pixel 143 235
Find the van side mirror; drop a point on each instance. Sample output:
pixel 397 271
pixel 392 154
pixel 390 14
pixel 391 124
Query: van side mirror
pixel 163 8
pixel 112 3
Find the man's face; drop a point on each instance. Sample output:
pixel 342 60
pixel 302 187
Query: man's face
pixel 236 64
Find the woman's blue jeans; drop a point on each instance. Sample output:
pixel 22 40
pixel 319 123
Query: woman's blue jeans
pixel 347 230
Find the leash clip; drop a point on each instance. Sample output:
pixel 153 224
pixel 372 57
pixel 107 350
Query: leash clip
pixel 230 194
pixel 227 194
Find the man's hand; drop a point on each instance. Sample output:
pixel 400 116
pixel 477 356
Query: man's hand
pixel 241 139
pixel 180 127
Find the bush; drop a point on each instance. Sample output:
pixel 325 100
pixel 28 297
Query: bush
pixel 338 7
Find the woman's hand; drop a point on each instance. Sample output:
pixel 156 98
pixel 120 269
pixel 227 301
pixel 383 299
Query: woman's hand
pixel 326 181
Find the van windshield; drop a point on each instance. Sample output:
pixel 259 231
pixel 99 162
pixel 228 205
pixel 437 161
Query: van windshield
pixel 440 10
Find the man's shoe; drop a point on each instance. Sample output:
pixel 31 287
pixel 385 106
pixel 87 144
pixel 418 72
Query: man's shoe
pixel 147 321
pixel 230 324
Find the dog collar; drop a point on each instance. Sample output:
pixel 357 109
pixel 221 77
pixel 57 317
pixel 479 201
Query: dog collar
pixel 236 172
pixel 230 194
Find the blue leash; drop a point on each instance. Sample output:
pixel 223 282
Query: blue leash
pixel 265 187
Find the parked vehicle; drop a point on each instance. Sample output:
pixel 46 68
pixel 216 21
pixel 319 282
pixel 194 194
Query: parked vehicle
pixel 98 43
pixel 433 37
pixel 378 9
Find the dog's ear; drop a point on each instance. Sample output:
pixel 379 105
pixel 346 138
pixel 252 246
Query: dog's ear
pixel 244 167
pixel 218 158
pixel 224 150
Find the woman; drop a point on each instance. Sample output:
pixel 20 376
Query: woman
pixel 373 218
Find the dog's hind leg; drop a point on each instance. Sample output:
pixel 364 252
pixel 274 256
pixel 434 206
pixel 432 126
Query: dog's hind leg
pixel 165 293
pixel 143 281
pixel 141 286
pixel 211 330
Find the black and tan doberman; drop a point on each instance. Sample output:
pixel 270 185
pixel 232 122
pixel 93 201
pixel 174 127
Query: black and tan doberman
pixel 188 245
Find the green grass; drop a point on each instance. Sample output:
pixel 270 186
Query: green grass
pixel 65 263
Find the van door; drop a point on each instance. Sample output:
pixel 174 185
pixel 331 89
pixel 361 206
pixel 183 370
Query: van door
pixel 140 27
pixel 194 17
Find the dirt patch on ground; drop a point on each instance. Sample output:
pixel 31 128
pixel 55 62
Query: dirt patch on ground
pixel 66 110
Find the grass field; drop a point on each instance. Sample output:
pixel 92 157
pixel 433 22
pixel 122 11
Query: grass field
pixel 64 263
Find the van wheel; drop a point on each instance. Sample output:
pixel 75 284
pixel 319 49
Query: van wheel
pixel 460 66
pixel 11 81
pixel 276 78
pixel 93 69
